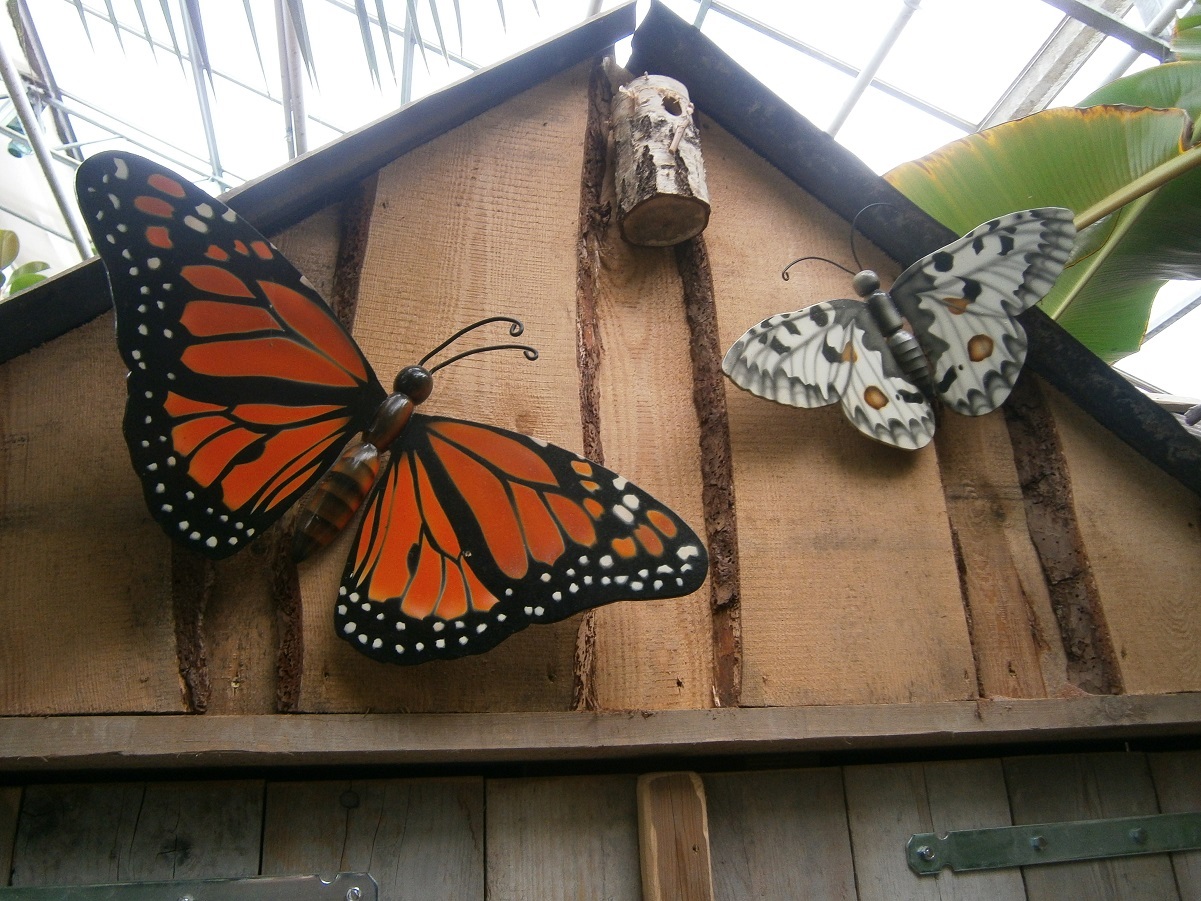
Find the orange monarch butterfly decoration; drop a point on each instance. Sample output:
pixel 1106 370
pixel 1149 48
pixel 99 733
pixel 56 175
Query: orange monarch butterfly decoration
pixel 243 390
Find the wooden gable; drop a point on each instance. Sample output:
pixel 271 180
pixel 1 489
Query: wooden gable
pixel 1028 577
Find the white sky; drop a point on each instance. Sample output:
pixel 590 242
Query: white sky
pixel 931 59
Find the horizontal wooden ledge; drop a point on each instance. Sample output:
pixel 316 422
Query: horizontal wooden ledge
pixel 131 741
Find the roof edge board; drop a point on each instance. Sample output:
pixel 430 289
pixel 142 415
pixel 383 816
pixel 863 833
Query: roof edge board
pixel 305 185
pixel 667 45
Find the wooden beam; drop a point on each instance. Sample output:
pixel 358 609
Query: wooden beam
pixel 123 742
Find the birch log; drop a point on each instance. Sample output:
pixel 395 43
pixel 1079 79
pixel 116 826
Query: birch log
pixel 661 194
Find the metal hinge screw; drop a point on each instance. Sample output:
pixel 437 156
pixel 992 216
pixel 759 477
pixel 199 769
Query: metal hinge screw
pixel 354 893
pixel 1138 836
pixel 1037 842
pixel 925 852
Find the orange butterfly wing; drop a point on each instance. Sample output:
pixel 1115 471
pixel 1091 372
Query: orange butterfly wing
pixel 243 387
pixel 474 532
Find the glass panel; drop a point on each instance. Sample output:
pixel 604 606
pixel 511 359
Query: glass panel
pixel 961 55
pixel 885 132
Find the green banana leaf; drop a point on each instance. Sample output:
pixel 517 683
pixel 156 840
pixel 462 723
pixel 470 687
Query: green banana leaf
pixel 1076 158
pixel 1186 39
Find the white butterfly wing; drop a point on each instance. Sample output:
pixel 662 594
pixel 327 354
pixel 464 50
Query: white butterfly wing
pixel 795 358
pixel 829 352
pixel 961 302
pixel 879 399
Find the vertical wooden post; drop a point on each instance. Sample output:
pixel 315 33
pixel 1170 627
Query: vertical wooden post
pixel 673 838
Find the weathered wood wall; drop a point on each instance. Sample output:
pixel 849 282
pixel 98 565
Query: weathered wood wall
pixel 820 832
pixel 1028 555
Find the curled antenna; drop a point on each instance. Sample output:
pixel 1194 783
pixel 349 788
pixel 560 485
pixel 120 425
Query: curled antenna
pixel 855 221
pixel 784 274
pixel 515 328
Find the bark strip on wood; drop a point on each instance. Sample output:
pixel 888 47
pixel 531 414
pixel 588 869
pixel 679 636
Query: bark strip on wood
pixel 1051 513
pixel 285 586
pixel 352 250
pixel 594 218
pixel 191 581
pixel 717 471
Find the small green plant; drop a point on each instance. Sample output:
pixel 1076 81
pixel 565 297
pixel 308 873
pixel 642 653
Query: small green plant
pixel 18 278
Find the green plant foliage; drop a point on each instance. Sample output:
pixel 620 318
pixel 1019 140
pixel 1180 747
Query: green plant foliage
pixel 1186 41
pixel 22 276
pixel 1076 158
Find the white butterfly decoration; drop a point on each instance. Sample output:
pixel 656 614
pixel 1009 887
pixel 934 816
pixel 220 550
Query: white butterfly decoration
pixel 966 347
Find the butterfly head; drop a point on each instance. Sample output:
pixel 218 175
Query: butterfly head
pixel 866 283
pixel 415 382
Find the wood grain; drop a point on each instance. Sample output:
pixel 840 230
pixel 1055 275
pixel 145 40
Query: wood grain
pixel 419 838
pixel 849 587
pixel 1142 532
pixel 1015 637
pixel 1087 787
pixel 650 654
pixel 123 742
pixel 480 221
pixel 780 835
pixel 10 806
pixel 1177 778
pixel 84 571
pixel 673 837
pixel 886 804
pixel 130 832
pixel 563 838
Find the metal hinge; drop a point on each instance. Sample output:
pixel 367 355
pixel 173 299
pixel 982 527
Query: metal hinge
pixel 343 887
pixel 1021 846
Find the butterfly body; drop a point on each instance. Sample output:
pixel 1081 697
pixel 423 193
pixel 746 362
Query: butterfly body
pixel 244 390
pixel 947 329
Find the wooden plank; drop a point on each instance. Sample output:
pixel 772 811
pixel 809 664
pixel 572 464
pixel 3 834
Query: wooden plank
pixel 886 804
pixel 652 654
pixel 419 838
pixel 780 835
pixel 10 806
pixel 849 588
pixel 1086 787
pixel 1177 777
pixel 131 832
pixel 122 742
pixel 84 570
pixel 565 838
pixel 1142 532
pixel 635 393
pixel 1015 636
pixel 673 837
pixel 479 222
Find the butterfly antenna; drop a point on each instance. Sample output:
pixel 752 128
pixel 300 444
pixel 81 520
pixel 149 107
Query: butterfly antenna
pixel 855 221
pixel 516 327
pixel 784 274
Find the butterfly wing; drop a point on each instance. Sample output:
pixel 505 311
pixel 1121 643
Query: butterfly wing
pixel 833 351
pixel 796 358
pixel 475 532
pixel 961 302
pixel 242 388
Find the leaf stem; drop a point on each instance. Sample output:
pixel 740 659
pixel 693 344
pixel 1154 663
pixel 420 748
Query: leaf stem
pixel 1144 184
